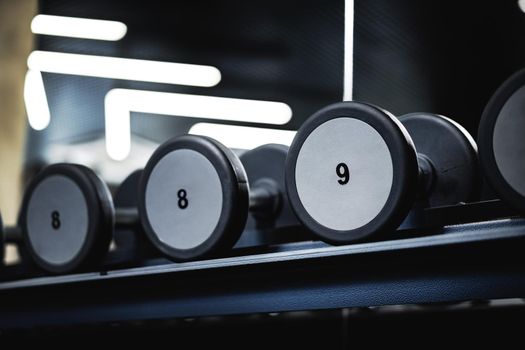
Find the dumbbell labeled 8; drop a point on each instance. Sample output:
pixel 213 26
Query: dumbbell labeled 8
pixel 66 218
pixel 193 197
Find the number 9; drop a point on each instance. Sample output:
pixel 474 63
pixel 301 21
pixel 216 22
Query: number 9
pixel 342 171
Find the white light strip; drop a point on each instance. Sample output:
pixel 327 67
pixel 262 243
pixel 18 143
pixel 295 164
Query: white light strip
pixel 120 102
pixel 124 68
pixel 521 4
pixel 243 137
pixel 75 27
pixel 35 99
pixel 348 79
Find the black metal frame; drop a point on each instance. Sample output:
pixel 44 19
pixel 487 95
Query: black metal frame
pixel 464 262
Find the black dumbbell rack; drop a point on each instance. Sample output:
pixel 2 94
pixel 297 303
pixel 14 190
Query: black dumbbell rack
pixel 477 261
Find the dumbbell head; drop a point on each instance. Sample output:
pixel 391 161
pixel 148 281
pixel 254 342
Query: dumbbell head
pixel 66 218
pixel 453 154
pixel 193 197
pixel 352 170
pixel 501 139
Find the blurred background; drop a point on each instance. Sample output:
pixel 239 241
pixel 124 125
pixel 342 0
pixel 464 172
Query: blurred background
pixel 103 83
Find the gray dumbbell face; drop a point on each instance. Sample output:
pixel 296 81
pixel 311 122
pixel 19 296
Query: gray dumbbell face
pixel 192 196
pixel 508 141
pixel 183 186
pixel 335 169
pixel 57 219
pixel 351 171
pixel 502 142
pixel 66 218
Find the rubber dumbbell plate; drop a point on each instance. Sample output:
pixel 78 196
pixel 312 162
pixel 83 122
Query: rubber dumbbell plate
pixel 501 140
pixel 193 198
pixel 351 172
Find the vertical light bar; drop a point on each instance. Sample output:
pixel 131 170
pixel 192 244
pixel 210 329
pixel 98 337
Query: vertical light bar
pixel 35 100
pixel 117 125
pixel 74 27
pixel 348 79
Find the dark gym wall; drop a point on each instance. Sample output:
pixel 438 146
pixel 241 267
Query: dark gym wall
pixel 439 56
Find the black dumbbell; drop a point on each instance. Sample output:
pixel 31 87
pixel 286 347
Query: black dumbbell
pixel 131 243
pixel 264 167
pixel 501 139
pixel 353 171
pixel 195 199
pixel 67 219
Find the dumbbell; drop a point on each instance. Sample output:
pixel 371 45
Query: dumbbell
pixel 67 219
pixel 501 138
pixel 353 172
pixel 131 243
pixel 195 199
